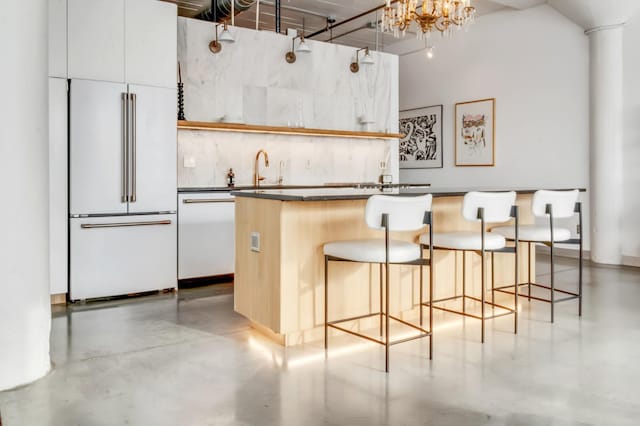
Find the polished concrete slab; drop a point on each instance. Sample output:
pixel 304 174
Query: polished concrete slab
pixel 188 359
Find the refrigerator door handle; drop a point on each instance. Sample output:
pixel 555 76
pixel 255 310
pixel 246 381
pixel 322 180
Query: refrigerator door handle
pixel 125 149
pixel 133 125
pixel 122 224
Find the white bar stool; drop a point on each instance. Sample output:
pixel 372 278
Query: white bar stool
pixel 388 213
pixel 552 205
pixel 487 207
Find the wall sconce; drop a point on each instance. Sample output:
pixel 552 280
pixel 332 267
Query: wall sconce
pixel 367 59
pixel 216 46
pixel 302 48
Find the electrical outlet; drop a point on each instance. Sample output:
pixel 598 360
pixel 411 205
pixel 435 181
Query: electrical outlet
pixel 189 162
pixel 307 164
pixel 255 242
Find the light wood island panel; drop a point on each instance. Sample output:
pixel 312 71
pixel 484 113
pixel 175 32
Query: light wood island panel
pixel 281 288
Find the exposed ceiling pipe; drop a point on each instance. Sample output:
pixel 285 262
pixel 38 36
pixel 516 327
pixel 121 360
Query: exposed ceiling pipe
pixel 222 10
pixel 363 27
pixel 346 21
pixel 277 6
pixel 294 9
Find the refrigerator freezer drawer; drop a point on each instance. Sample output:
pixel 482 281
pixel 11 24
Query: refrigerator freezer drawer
pixel 205 235
pixel 112 256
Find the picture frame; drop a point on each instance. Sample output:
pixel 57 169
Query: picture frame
pixel 422 145
pixel 475 133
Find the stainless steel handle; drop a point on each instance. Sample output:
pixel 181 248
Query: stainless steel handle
pixel 134 147
pixel 125 149
pixel 208 200
pixel 118 225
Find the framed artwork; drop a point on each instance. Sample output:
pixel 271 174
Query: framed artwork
pixel 421 146
pixel 475 133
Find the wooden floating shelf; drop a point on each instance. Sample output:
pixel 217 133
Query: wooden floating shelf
pixel 252 128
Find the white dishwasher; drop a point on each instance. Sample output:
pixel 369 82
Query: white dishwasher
pixel 206 234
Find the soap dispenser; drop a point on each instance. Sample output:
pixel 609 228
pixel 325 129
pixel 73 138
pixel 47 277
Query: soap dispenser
pixel 231 178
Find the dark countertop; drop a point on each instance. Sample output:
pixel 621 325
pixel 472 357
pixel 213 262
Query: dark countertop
pixel 328 194
pixel 352 185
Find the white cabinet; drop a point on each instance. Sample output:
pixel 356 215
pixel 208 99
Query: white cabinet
pixel 122 255
pixel 151 43
pixel 58 38
pixel 206 234
pixel 96 39
pixel 132 41
pixel 58 216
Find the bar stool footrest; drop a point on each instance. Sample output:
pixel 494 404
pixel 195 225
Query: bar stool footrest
pixel 510 311
pixel 423 332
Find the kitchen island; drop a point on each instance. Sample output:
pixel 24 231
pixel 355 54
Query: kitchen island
pixel 279 273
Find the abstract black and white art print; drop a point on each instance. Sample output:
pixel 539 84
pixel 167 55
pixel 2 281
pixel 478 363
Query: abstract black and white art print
pixel 421 146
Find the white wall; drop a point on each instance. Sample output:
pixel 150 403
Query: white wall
pixel 631 207
pixel 250 81
pixel 25 312
pixel 536 64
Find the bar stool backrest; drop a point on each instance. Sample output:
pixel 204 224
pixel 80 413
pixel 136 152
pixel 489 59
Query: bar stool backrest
pixel 405 213
pixel 562 203
pixel 496 205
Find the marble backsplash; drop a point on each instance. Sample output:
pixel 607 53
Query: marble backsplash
pixel 208 155
pixel 249 81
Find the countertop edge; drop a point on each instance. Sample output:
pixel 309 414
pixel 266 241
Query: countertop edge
pixel 363 196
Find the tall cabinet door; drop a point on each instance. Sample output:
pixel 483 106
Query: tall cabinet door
pixel 58 216
pixel 151 42
pixel 97 147
pixel 96 39
pixel 153 149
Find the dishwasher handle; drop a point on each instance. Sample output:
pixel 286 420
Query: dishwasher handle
pixel 208 200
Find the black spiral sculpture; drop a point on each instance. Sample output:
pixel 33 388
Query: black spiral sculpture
pixel 181 101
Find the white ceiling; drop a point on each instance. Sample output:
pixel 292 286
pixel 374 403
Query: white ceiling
pixel 312 15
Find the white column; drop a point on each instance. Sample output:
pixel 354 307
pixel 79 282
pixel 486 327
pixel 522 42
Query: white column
pixel 25 312
pixel 606 190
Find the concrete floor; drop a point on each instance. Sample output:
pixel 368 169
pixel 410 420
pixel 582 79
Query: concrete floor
pixel 188 359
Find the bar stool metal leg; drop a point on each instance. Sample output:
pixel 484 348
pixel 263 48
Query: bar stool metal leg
pixel 421 284
pixel 326 300
pixel 482 266
pixel 515 255
pixel 529 269
pixel 579 208
pixel 551 245
pixel 493 279
pixel 431 275
pixel 381 299
pixel 464 281
pixel 386 301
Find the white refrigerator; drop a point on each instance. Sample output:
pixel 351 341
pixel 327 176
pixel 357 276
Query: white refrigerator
pixel 122 189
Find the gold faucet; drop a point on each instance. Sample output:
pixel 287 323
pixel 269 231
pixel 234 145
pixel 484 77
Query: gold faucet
pixel 256 167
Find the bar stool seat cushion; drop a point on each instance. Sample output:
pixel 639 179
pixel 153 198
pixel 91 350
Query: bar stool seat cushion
pixel 534 233
pixel 465 240
pixel 373 250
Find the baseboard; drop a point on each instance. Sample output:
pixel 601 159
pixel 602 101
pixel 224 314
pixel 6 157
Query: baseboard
pixel 573 254
pixel 564 252
pixel 631 261
pixel 57 299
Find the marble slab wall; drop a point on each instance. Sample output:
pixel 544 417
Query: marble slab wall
pixel 250 82
pixel 204 157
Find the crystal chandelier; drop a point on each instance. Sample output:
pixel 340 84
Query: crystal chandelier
pixel 440 15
